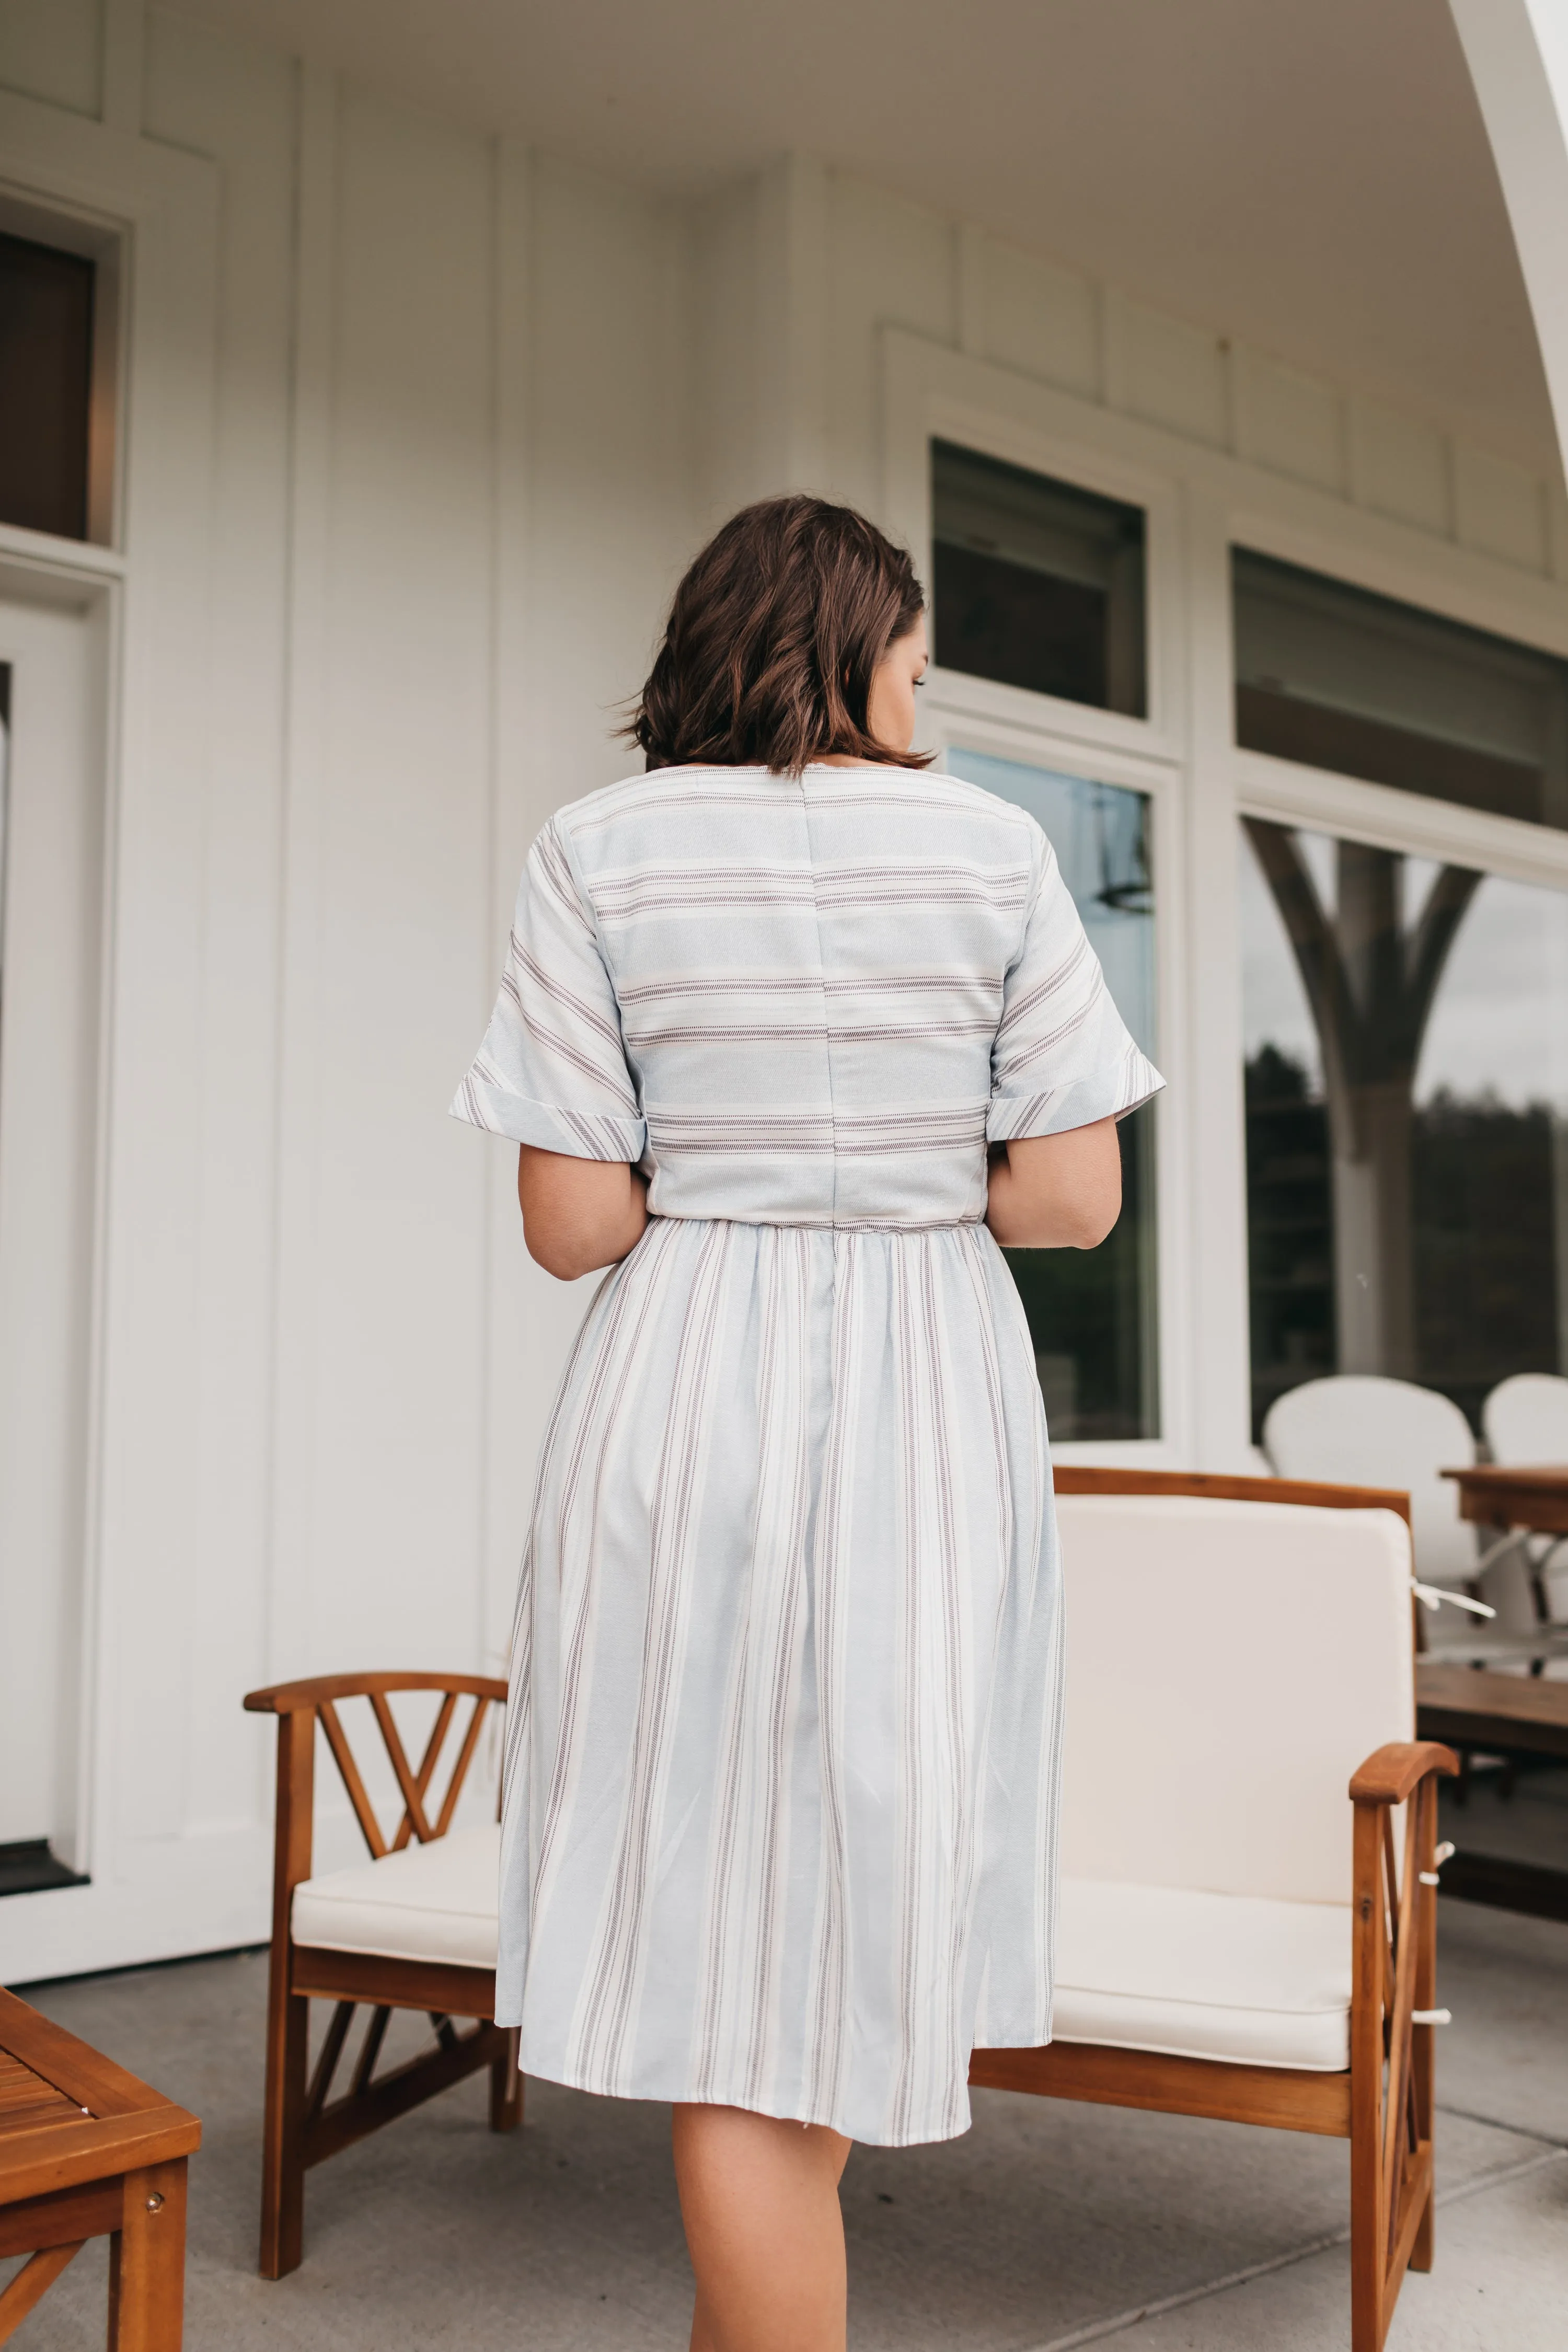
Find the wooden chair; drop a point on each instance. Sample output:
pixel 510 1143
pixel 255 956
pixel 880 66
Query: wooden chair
pixel 400 1933
pixel 1228 1945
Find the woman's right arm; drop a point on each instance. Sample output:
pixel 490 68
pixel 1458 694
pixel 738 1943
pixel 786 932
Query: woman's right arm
pixel 578 1214
pixel 1056 1191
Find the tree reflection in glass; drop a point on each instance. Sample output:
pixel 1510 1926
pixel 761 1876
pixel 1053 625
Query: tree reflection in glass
pixel 1408 1053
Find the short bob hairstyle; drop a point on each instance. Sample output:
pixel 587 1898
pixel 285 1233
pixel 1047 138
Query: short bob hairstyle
pixel 772 642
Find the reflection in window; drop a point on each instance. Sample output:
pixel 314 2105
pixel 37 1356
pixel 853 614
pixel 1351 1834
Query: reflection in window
pixel 1093 1313
pixel 1406 1119
pixel 1036 582
pixel 45 374
pixel 1338 678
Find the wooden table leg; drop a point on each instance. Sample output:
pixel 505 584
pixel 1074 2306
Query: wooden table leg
pixel 506 2087
pixel 31 2283
pixel 147 2263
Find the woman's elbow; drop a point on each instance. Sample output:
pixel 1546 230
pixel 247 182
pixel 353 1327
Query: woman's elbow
pixel 1093 1221
pixel 559 1255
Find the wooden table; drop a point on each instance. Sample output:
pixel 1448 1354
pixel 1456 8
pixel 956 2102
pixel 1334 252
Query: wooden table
pixel 1507 1714
pixel 1501 1495
pixel 86 2151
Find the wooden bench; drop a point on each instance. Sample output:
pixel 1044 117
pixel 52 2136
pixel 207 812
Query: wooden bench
pixel 86 2151
pixel 1247 1920
pixel 1505 1715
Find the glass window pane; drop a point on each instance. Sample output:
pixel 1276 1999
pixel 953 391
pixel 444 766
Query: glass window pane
pixel 1036 582
pixel 1093 1313
pixel 1406 1119
pixel 1342 679
pixel 46 360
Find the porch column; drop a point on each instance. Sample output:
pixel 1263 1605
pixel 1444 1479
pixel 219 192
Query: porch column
pixel 1517 51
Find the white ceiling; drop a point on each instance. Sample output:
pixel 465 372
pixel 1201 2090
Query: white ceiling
pixel 1310 175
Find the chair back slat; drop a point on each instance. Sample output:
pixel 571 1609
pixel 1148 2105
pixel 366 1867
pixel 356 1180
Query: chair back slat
pixel 460 1768
pixel 414 1783
pixel 408 1788
pixel 421 1777
pixel 343 1756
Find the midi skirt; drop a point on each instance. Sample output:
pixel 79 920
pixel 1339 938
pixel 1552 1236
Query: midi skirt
pixel 783 1742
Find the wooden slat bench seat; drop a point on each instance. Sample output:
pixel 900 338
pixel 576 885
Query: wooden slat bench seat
pixel 88 2151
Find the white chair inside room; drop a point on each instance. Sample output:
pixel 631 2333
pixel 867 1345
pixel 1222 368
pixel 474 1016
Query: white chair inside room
pixel 1364 1430
pixel 1525 1420
pixel 1525 1424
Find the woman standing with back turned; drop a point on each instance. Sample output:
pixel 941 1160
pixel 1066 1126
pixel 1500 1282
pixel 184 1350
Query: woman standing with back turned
pixel 792 1034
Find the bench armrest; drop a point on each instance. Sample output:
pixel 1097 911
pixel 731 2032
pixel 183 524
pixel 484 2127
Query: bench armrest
pixel 1391 1773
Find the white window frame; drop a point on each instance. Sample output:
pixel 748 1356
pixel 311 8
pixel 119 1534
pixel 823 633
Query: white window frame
pixel 1199 503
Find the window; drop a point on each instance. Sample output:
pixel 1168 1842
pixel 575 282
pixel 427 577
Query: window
pixel 45 384
pixel 1338 678
pixel 1407 1118
pixel 1093 1313
pixel 1037 584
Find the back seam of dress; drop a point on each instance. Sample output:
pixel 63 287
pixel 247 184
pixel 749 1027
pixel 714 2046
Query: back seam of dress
pixel 822 986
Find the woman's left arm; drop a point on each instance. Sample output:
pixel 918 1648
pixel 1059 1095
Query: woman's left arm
pixel 1056 1191
pixel 578 1214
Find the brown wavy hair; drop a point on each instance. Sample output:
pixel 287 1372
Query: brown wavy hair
pixel 772 642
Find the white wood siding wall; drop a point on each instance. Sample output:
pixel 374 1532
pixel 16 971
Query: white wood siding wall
pixel 470 409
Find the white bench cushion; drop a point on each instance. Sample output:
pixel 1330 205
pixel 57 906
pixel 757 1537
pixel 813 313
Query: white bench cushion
pixel 1204 1976
pixel 434 1902
pixel 1139 1968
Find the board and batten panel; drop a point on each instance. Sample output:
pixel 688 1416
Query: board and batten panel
pixel 890 263
pixel 53 49
pixel 383 1279
pixel 609 522
pixel 1028 314
pixel 236 103
pixel 1399 467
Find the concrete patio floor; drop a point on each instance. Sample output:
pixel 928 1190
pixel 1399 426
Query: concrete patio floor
pixel 1047 2226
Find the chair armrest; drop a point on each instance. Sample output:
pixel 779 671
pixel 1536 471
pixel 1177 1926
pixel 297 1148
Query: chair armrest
pixel 1389 1774
pixel 287 1699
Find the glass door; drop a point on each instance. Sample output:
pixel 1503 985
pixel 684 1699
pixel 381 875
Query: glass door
pixel 1093 1314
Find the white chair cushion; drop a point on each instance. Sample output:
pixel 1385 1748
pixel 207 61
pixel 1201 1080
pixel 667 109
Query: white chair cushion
pixel 1204 1976
pixel 434 1902
pixel 1139 1968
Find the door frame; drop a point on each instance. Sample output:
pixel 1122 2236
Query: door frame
pixel 150 214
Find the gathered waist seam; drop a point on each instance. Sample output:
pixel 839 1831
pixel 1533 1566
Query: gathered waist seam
pixel 823 1224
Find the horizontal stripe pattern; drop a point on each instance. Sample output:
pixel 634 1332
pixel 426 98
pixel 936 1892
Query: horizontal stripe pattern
pixel 783 1749
pixel 784 997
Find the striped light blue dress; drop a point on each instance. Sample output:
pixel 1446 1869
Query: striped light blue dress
pixel 779 1823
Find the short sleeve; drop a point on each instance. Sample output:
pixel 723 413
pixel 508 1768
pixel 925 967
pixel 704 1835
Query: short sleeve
pixel 1062 1056
pixel 552 1070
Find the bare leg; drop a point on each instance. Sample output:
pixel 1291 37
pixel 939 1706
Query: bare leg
pixel 759 2200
